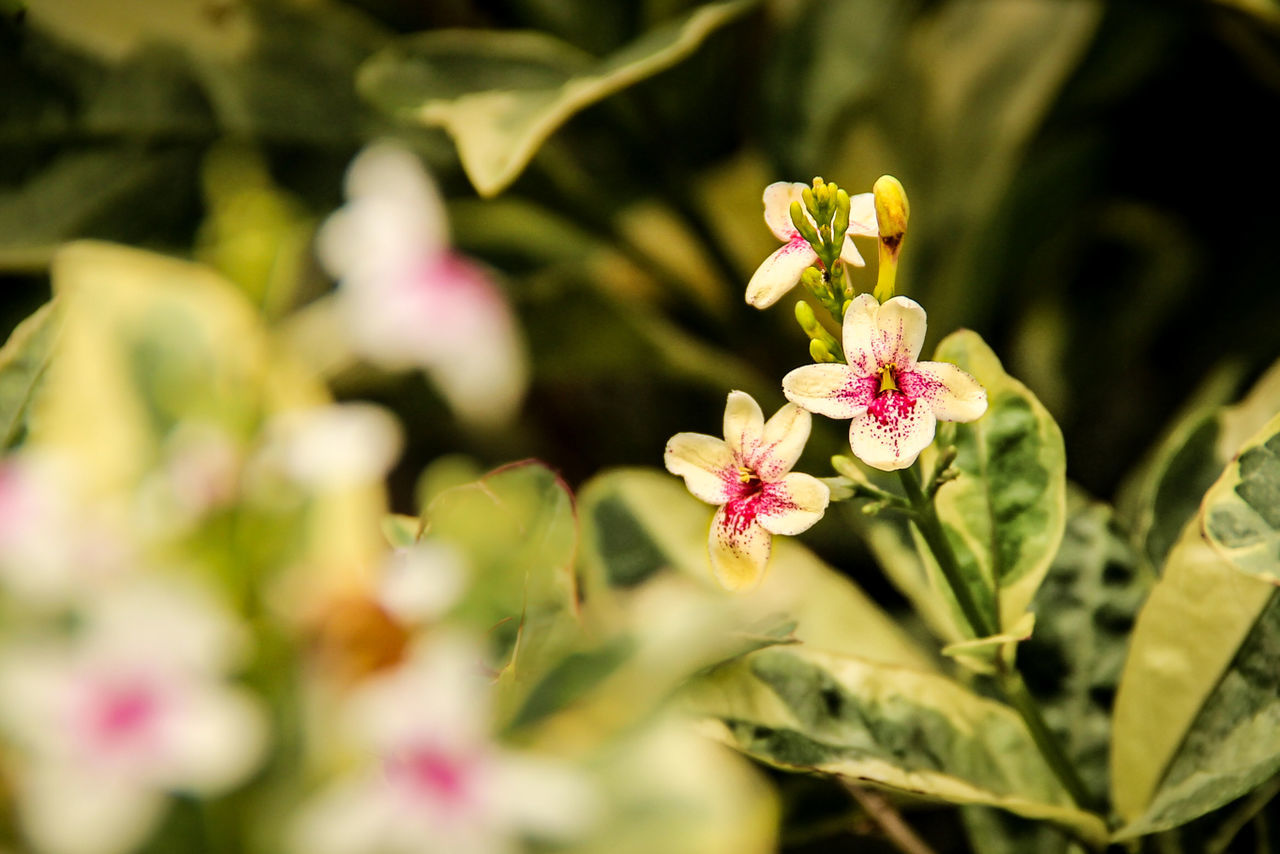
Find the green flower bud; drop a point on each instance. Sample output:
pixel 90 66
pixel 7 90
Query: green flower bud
pixel 818 350
pixel 841 222
pixel 803 225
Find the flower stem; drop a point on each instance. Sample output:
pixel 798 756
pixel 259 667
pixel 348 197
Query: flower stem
pixel 931 529
pixel 1011 682
pixel 1015 691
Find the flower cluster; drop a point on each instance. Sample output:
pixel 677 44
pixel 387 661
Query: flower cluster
pixel 873 377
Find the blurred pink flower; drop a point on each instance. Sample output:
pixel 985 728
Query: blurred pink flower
pixel 434 781
pixel 129 709
pixel 408 300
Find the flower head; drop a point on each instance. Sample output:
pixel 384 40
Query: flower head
pixel 133 707
pixel 435 782
pixel 409 300
pixel 781 271
pixel 748 474
pixel 893 400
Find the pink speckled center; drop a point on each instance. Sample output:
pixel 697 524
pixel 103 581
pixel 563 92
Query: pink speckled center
pixel 751 500
pixel 891 406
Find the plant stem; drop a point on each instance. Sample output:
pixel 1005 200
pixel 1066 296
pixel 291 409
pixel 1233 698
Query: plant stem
pixel 1011 682
pixel 931 529
pixel 890 820
pixel 1015 691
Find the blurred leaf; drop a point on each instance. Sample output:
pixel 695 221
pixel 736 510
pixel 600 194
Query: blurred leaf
pixel 500 95
pixel 1004 514
pixel 916 732
pixel 517 530
pixel 989 72
pixel 1167 491
pixel 1195 715
pixel 78 193
pixel 149 342
pixel 828 61
pixel 638 524
pixel 666 788
pixel 113 31
pixel 255 233
pixel 1241 511
pixel 23 361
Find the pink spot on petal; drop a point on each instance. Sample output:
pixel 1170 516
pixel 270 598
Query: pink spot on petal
pixel 860 391
pixel 434 776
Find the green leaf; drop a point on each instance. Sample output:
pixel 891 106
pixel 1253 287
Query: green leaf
pixel 640 524
pixel 1167 491
pixel 517 531
pixel 1004 514
pixel 500 95
pixel 805 710
pixel 148 343
pixel 1192 672
pixel 1241 512
pixel 23 360
pixel 1085 611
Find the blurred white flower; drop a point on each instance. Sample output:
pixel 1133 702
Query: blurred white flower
pixel 53 545
pixel 335 446
pixel 421 583
pixel 130 708
pixel 408 300
pixel 434 781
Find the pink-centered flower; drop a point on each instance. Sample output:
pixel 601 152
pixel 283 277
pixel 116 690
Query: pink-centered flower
pixel 134 707
pixel 748 474
pixel 409 300
pixel 781 271
pixel 894 401
pixel 434 780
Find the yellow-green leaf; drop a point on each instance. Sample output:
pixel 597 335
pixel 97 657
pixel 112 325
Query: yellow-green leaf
pixel 908 730
pixel 1241 511
pixel 1005 513
pixel 500 95
pixel 23 360
pixel 1186 641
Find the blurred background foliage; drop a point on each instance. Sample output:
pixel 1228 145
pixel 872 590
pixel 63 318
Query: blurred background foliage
pixel 1093 188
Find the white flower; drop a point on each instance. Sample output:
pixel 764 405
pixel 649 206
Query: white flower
pixel 434 781
pixel 131 708
pixel 53 545
pixel 781 271
pixel 335 446
pixel 749 475
pixel 408 300
pixel 895 402
pixel 420 583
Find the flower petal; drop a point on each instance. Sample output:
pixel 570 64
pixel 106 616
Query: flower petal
pixel 862 216
pixel 74 811
pixel 792 504
pixel 703 462
pixel 743 426
pixel 785 435
pixel 833 390
pixel 951 393
pixel 778 197
pixel 858 330
pixel 850 254
pixel 780 272
pixel 900 328
pixel 893 432
pixel 739 546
